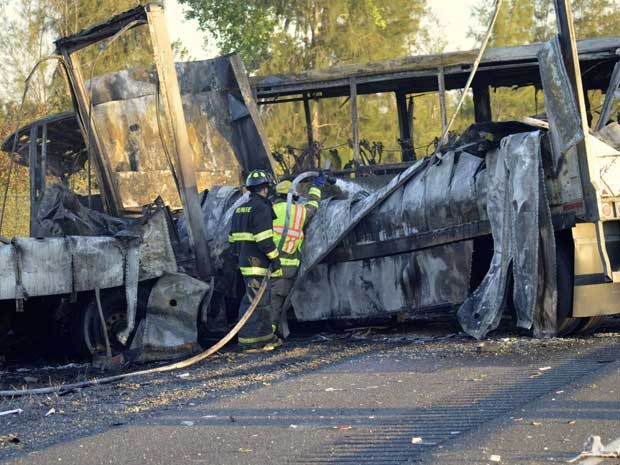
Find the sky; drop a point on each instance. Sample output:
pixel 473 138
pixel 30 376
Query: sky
pixel 454 17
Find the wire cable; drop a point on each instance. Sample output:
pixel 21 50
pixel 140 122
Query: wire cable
pixel 472 73
pixel 20 112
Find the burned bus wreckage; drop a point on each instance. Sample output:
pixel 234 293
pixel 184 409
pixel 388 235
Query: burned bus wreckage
pixel 515 215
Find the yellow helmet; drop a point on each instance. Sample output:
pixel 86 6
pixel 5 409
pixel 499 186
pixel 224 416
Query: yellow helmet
pixel 283 186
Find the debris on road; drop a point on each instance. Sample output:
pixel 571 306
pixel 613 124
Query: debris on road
pixel 495 458
pixel 51 411
pixel 9 439
pixel 593 447
pixel 343 427
pixel 15 411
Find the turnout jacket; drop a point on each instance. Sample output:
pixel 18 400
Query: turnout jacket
pixel 300 215
pixel 251 235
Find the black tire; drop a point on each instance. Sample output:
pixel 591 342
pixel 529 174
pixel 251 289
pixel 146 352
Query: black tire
pixel 565 278
pixel 589 324
pixel 86 334
pixel 7 316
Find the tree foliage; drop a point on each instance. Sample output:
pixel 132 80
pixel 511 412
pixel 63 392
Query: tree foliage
pixel 293 35
pixel 285 36
pixel 530 21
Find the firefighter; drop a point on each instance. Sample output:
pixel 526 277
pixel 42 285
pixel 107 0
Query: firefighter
pixel 290 251
pixel 251 236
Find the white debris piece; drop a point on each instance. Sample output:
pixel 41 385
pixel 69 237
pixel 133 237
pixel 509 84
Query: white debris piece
pixel 495 458
pixel 51 411
pixel 593 447
pixel 16 411
pixel 187 423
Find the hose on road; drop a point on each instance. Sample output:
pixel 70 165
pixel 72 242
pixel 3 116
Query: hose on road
pixel 174 366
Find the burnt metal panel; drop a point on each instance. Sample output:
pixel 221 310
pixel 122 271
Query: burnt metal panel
pixel 382 286
pixel 518 211
pixel 63 265
pixel 217 136
pixel 564 120
pixel 169 329
pixel 442 205
pixel 102 30
pixel 504 66
pixel 435 203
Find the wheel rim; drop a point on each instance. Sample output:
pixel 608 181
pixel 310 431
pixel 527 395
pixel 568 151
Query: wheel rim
pixel 115 321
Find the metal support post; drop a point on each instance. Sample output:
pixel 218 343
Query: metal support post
pixel 43 161
pixel 354 119
pixel 308 121
pixel 482 103
pixel 405 125
pixel 33 171
pixel 441 83
pixel 568 45
pixel 184 157
pixel 103 171
pixel 410 112
pixel 610 96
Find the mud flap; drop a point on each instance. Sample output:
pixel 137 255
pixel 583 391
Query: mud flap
pixel 169 330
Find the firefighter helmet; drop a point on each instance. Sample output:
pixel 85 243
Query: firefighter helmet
pixel 257 178
pixel 283 187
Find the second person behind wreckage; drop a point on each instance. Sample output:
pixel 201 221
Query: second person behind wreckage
pixel 251 236
pixel 290 256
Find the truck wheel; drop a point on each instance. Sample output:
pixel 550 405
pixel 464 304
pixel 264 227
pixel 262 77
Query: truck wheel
pixel 7 313
pixel 87 334
pixel 565 277
pixel 589 325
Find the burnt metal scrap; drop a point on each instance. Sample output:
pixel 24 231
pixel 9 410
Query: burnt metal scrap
pixel 408 247
pixel 225 135
pixel 523 243
pixel 70 264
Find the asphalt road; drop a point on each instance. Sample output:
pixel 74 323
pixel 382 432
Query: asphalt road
pixel 515 400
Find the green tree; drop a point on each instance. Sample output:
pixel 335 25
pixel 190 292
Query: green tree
pixel 529 21
pixel 286 36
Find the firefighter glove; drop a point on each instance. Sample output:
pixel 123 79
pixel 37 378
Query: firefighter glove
pixel 275 264
pixel 319 181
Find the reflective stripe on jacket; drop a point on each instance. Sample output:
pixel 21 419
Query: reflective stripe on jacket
pixel 295 233
pixel 251 234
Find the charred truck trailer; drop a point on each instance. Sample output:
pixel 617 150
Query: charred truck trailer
pixel 150 138
pixel 521 215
